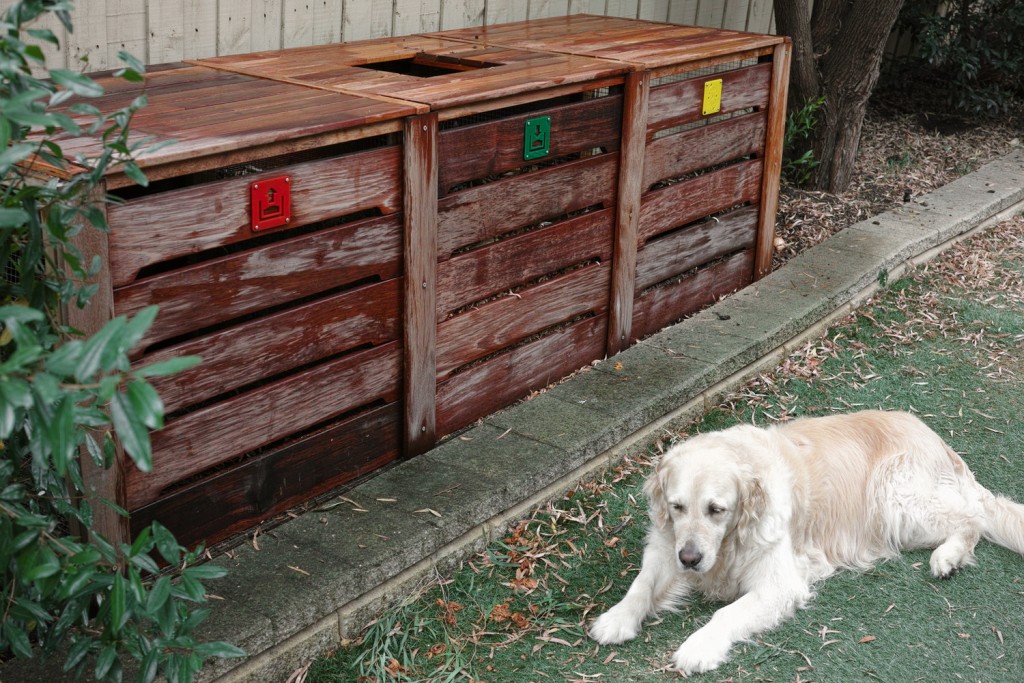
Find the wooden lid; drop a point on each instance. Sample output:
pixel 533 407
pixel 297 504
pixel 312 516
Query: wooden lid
pixel 211 112
pixel 433 72
pixel 644 43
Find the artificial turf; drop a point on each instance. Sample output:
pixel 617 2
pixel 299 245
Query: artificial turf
pixel 945 343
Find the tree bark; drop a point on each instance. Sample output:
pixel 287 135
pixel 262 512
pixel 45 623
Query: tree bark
pixel 793 19
pixel 849 70
pixel 837 52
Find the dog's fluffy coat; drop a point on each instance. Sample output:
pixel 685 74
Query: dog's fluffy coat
pixel 757 516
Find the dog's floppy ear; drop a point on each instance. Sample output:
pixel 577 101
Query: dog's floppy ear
pixel 753 500
pixel 654 489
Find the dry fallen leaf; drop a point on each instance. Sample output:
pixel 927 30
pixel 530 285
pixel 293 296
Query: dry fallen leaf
pixel 867 639
pixel 428 511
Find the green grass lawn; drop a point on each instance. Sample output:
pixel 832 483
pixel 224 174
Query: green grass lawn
pixel 945 343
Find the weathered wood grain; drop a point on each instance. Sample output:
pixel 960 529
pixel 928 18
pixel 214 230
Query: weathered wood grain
pixel 682 153
pixel 480 150
pixel 271 345
pixel 627 210
pixel 100 484
pixel 469 216
pixel 223 431
pixel 215 291
pixel 676 205
pixel 159 227
pixel 661 306
pixel 254 113
pixel 642 43
pixel 499 381
pixel 420 289
pixel 674 104
pixel 498 267
pixel 214 508
pixel 772 160
pixel 694 246
pixel 505 321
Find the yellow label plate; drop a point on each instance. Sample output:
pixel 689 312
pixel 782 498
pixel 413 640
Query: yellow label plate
pixel 712 97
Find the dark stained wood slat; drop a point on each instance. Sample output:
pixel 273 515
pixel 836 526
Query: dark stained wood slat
pixel 680 102
pixel 484 149
pixel 216 507
pixel 223 431
pixel 676 205
pixel 268 346
pixel 498 267
pixel 484 211
pixel 682 153
pixel 156 228
pixel 661 306
pixel 225 288
pixel 506 378
pixel 510 319
pixel 694 246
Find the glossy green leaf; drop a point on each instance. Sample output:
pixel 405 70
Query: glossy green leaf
pixel 118 604
pixel 146 403
pixel 171 366
pixel 132 432
pixel 158 594
pixel 98 350
pixel 80 84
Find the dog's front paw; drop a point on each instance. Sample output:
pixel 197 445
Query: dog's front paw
pixel 700 652
pixel 615 626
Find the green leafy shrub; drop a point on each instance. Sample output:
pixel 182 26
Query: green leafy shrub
pixel 975 46
pixel 63 396
pixel 798 162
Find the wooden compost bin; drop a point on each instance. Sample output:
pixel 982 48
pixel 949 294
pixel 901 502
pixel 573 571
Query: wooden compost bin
pixel 298 324
pixel 509 257
pixel 469 217
pixel 701 154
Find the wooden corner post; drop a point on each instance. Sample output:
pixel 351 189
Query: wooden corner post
pixel 419 201
pixel 775 135
pixel 627 210
pixel 101 484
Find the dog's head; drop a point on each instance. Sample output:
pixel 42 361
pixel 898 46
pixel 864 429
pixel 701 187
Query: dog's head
pixel 704 490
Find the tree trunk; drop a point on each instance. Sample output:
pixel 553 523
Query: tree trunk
pixel 849 70
pixel 793 19
pixel 837 52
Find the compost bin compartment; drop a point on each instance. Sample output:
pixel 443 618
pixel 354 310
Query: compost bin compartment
pixel 701 143
pixel 272 243
pixel 524 251
pixel 521 211
pixel 298 329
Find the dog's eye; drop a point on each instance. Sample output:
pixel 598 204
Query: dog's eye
pixel 678 507
pixel 714 509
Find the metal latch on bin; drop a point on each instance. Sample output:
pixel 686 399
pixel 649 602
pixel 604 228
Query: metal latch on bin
pixel 537 138
pixel 712 97
pixel 271 203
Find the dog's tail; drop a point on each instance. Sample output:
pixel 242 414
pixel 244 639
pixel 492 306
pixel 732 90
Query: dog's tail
pixel 1004 523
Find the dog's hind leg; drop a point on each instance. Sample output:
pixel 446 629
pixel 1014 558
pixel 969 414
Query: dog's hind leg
pixel 657 586
pixel 955 552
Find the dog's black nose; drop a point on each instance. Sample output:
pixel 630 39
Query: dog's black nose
pixel 689 556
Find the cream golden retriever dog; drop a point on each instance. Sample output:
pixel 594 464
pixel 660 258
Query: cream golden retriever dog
pixel 756 516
